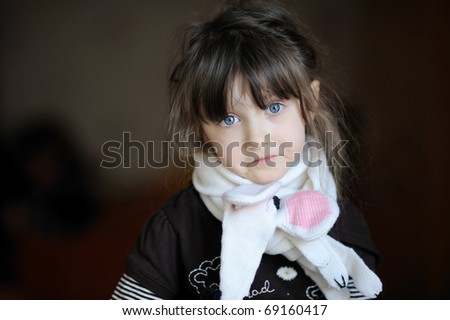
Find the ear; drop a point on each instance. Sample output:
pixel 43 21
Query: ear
pixel 315 87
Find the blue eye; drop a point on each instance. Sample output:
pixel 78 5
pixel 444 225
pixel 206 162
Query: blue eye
pixel 275 108
pixel 228 120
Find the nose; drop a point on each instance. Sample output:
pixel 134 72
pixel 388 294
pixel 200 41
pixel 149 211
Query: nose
pixel 255 132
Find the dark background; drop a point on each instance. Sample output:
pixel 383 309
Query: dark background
pixel 76 74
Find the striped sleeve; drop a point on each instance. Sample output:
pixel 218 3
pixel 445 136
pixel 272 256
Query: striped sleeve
pixel 129 289
pixel 354 292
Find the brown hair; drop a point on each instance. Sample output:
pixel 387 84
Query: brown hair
pixel 263 44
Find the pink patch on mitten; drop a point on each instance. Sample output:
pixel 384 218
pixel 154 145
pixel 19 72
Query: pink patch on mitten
pixel 308 208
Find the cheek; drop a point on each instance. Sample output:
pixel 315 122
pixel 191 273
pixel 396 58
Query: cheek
pixel 232 155
pixel 300 141
pixel 292 140
pixel 226 148
pixel 213 138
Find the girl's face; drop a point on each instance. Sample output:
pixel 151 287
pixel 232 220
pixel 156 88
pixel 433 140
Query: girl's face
pixel 259 145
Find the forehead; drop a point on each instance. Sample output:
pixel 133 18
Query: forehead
pixel 240 88
pixel 215 93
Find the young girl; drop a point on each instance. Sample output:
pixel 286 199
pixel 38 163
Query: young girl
pixel 262 217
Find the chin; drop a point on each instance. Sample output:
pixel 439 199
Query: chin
pixel 266 178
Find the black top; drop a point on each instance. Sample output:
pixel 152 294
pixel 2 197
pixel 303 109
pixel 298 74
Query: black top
pixel 178 254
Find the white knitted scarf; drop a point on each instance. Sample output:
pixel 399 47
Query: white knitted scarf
pixel 253 224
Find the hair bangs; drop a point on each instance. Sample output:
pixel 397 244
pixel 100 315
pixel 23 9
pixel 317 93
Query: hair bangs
pixel 265 73
pixel 269 73
pixel 215 73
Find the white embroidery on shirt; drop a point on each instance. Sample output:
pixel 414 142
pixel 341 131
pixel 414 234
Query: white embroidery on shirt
pixel 286 273
pixel 196 275
pixel 314 293
pixel 264 289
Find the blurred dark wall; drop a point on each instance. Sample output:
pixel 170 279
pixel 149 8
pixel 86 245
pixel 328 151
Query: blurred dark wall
pixel 99 68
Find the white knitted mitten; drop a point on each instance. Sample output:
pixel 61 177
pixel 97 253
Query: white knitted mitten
pixel 248 224
pixel 307 216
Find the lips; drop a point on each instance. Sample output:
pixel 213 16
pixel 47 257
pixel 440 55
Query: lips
pixel 265 160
